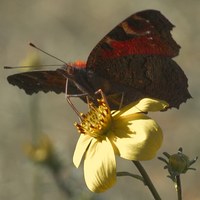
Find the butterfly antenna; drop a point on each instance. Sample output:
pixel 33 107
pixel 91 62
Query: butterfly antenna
pixel 28 66
pixel 34 46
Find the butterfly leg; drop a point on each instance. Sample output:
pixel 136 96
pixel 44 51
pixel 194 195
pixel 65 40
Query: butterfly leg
pixel 68 98
pixel 99 91
pixel 107 100
pixel 122 100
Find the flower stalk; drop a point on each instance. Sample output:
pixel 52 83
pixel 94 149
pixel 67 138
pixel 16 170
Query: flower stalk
pixel 178 187
pixel 147 180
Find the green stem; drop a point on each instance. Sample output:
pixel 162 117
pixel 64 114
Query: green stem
pixel 147 180
pixel 130 174
pixel 178 187
pixel 35 132
pixel 35 119
pixel 37 185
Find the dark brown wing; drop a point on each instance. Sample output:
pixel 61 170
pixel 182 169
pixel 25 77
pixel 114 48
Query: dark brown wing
pixel 35 81
pixel 144 33
pixel 135 58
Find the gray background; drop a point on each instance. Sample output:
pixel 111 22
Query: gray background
pixel 69 29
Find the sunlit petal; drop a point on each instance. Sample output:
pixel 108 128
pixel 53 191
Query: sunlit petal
pixel 81 146
pixel 100 166
pixel 136 139
pixel 144 105
pixel 151 105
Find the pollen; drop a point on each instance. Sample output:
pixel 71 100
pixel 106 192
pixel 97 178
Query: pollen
pixel 97 121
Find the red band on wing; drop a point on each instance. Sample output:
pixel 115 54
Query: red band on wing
pixel 143 45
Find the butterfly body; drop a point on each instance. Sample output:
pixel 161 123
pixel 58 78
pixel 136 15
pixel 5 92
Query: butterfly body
pixel 134 60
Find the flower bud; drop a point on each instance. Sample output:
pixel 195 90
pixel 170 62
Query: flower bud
pixel 178 163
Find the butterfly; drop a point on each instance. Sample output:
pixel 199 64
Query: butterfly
pixel 134 60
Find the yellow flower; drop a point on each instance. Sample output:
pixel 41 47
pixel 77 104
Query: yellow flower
pixel 31 61
pixel 129 133
pixel 42 152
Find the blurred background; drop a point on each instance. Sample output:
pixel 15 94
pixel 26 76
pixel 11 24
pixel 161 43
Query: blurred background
pixel 69 29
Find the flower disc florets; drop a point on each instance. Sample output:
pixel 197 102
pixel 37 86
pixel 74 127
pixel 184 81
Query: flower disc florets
pixel 97 121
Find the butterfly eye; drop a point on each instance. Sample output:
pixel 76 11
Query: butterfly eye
pixel 70 70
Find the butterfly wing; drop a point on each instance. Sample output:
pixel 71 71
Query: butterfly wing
pixel 135 59
pixel 35 81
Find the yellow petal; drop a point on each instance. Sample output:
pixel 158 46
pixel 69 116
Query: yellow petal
pixel 151 105
pixel 143 105
pixel 81 146
pixel 136 139
pixel 100 166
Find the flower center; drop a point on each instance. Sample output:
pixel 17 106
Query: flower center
pixel 97 121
